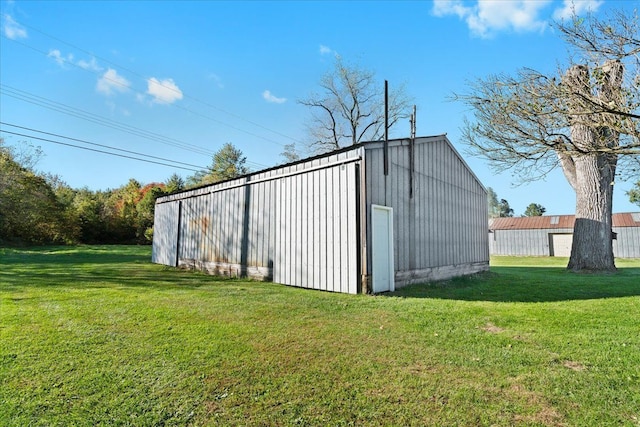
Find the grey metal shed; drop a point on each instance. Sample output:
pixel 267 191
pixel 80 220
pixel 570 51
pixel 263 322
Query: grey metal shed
pixel 335 222
pixel 553 235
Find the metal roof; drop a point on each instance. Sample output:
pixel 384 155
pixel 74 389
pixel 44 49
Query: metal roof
pixel 367 145
pixel 631 219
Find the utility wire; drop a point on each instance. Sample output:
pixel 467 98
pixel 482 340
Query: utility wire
pixel 101 151
pixel 97 151
pixel 74 112
pixel 99 145
pixel 66 109
pixel 166 87
pixel 114 81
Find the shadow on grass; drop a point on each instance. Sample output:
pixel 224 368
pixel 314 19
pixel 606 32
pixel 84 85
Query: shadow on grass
pixel 74 255
pixel 529 284
pixel 93 267
pixel 147 276
pixel 83 267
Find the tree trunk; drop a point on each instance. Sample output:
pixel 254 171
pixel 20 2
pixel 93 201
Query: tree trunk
pixel 592 248
pixel 590 170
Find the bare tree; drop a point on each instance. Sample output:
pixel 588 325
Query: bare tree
pixel 290 153
pixel 585 120
pixel 350 108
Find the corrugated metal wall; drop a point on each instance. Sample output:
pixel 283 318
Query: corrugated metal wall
pixel 165 236
pixel 316 215
pixel 302 224
pixel 536 242
pixel 627 243
pixel 533 242
pixel 296 225
pixel 445 223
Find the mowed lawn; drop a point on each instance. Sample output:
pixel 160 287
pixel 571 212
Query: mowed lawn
pixel 97 335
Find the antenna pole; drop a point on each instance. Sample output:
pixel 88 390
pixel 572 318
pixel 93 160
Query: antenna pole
pixel 386 128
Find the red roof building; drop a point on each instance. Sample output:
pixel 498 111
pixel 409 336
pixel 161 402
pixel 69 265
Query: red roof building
pixel 552 235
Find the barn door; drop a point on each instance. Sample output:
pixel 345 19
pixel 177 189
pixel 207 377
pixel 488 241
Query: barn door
pixel 561 244
pixel 382 249
pixel 166 236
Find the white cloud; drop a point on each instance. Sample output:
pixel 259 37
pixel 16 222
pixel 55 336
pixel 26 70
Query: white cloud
pixel 91 65
pixel 62 60
pixel 269 97
pixel 485 17
pixel 111 82
pixel 326 50
pixel 163 92
pixel 59 58
pixel 449 7
pixel 578 7
pixel 13 30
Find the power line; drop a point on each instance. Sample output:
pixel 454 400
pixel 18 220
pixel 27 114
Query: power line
pixel 98 151
pixel 81 114
pixel 166 87
pixel 74 112
pixel 98 145
pixel 160 84
pixel 175 163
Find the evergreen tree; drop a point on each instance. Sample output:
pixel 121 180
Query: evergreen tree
pixel 534 209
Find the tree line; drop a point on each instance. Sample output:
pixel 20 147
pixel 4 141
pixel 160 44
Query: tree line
pixel 40 208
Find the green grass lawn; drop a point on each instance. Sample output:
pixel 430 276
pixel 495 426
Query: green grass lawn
pixel 96 335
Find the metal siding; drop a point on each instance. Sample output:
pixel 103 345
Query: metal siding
pixel 297 234
pixel 535 242
pixel 523 242
pixel 185 227
pixel 322 229
pixel 303 227
pixel 165 234
pixel 287 222
pixel 343 236
pixel 336 236
pixel 279 258
pixel 445 223
pixel 316 240
pixel 427 205
pixel 237 218
pixel 441 217
pixel 299 228
pixel 331 252
pixel 218 214
pixel 352 248
pixel 627 244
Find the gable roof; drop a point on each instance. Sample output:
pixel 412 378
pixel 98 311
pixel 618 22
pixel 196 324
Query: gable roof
pixel 631 219
pixel 366 145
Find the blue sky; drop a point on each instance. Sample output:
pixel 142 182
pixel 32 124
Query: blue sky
pixel 176 80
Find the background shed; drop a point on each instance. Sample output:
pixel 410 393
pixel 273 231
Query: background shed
pixel 335 222
pixel 553 235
